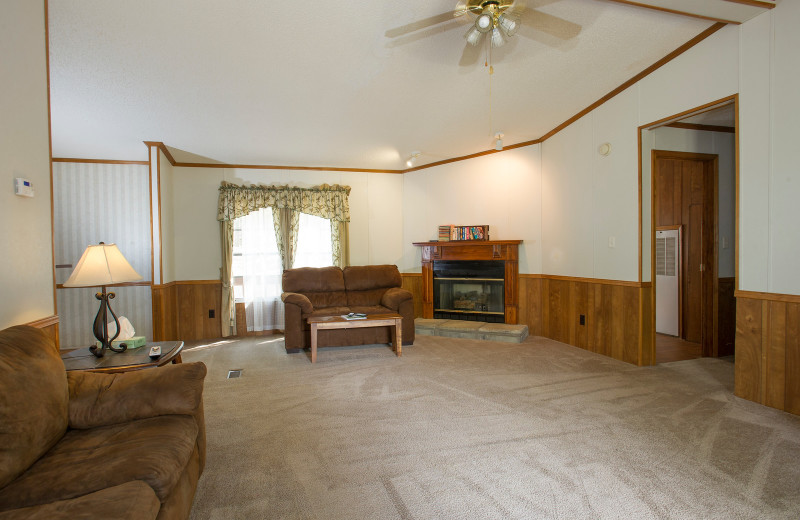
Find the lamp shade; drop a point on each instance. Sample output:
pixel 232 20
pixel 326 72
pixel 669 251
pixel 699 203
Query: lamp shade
pixel 102 264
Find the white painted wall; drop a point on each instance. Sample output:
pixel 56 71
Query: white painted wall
pixel 723 145
pixel 26 267
pixel 784 183
pixel 590 201
pixel 503 190
pixel 375 211
pixel 769 175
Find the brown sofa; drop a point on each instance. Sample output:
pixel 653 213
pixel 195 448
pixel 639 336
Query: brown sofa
pixel 87 445
pixel 332 291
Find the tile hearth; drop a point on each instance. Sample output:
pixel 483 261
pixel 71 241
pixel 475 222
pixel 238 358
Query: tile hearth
pixel 471 330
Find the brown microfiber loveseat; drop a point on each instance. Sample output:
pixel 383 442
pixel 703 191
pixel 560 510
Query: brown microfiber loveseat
pixel 82 445
pixel 332 291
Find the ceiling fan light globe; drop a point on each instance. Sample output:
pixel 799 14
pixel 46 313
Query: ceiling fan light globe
pixel 484 22
pixel 498 40
pixel 508 24
pixel 473 36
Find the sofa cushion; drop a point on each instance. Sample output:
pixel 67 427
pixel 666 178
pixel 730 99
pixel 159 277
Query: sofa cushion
pixel 154 450
pixel 33 399
pixel 323 286
pixel 366 284
pixel 130 501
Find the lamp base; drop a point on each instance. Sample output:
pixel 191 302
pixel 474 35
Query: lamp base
pixel 101 326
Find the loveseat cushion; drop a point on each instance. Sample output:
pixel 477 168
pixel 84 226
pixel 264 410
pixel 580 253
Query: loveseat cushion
pixel 365 284
pixel 323 286
pixel 154 450
pixel 327 311
pixel 33 399
pixel 130 501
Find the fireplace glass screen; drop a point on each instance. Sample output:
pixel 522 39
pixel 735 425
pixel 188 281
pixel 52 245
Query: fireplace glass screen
pixel 469 291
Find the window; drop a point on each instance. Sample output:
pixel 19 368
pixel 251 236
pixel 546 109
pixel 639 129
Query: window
pixel 314 247
pixel 256 270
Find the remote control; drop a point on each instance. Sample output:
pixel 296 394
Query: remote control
pixel 155 352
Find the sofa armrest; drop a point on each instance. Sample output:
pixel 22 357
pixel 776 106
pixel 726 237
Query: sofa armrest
pixel 298 299
pixel 394 297
pixel 101 399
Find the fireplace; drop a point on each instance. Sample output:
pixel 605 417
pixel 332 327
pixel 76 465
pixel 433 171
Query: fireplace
pixel 469 290
pixel 474 280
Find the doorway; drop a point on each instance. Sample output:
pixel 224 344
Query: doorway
pixel 688 182
pixel 685 200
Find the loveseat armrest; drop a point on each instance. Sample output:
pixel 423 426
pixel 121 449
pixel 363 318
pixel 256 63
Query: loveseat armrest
pixel 298 299
pixel 102 399
pixel 394 297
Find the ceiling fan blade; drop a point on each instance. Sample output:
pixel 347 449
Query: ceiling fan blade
pixel 470 55
pixel 420 24
pixel 533 20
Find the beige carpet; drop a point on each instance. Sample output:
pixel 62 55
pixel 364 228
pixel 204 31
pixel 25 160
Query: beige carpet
pixel 464 429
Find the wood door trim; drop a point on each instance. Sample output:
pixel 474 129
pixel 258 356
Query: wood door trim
pixel 702 128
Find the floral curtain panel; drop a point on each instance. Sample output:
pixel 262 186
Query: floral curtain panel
pixel 287 202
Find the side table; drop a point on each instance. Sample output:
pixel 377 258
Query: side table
pixel 133 359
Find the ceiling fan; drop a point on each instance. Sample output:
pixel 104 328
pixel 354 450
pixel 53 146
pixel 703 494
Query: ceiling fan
pixel 495 20
pixel 493 17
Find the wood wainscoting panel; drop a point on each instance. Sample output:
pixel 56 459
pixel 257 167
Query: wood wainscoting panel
pixel 413 282
pixel 748 349
pixel 768 350
pixel 792 399
pixel 181 310
pixel 530 303
pixel 613 315
pixel 49 326
pixel 774 383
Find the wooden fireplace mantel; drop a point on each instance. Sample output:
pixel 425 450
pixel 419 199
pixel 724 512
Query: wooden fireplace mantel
pixel 506 251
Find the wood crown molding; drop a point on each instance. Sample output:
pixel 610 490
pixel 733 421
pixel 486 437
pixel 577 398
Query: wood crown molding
pixel 638 77
pixel 674 11
pixel 774 297
pixel 765 4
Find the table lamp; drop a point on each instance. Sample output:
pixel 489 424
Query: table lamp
pixel 103 265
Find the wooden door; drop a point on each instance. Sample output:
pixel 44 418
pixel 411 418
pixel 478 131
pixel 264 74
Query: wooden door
pixel 685 195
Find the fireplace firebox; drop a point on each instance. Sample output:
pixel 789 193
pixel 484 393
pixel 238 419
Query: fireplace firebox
pixel 469 290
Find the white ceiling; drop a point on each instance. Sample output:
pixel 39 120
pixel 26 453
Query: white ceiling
pixel 254 82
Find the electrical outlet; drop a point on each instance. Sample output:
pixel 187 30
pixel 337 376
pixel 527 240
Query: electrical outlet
pixel 210 313
pixel 583 319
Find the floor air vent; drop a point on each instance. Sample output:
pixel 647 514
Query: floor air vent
pixel 234 373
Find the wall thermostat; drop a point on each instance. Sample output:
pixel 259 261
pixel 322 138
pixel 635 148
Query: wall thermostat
pixel 23 187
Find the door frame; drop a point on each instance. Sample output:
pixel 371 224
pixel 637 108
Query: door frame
pixel 709 333
pixel 647 308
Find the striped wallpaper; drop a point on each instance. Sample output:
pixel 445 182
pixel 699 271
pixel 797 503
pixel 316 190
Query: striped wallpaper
pixel 92 203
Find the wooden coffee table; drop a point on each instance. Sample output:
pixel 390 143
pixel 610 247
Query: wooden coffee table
pixel 395 321
pixel 132 359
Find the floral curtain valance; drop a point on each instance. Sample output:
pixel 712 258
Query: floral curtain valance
pixel 322 201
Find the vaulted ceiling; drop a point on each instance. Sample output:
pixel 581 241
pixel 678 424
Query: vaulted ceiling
pixel 356 84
